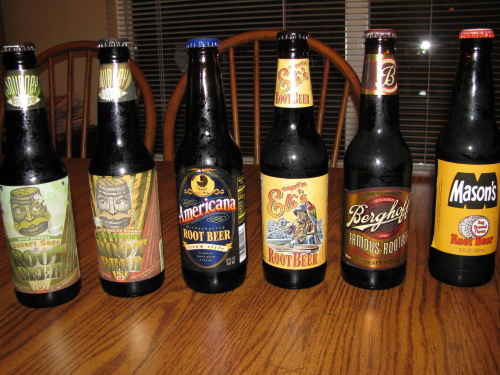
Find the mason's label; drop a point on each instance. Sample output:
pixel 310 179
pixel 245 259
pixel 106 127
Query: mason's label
pixel 466 217
pixel 40 231
pixel 294 221
pixel 375 233
pixel 379 75
pixel 116 83
pixel 127 226
pixel 22 90
pixel 211 219
pixel 293 84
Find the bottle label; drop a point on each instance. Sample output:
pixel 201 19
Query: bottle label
pixel 116 83
pixel 466 213
pixel 379 75
pixel 294 221
pixel 375 233
pixel 40 231
pixel 293 84
pixel 23 90
pixel 211 219
pixel 127 226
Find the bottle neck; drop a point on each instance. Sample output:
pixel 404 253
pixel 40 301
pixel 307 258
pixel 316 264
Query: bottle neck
pixel 473 98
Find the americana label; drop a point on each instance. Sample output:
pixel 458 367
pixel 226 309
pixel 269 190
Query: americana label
pixel 466 216
pixel 294 221
pixel 116 83
pixel 40 231
pixel 379 75
pixel 375 231
pixel 127 226
pixel 23 90
pixel 212 218
pixel 293 84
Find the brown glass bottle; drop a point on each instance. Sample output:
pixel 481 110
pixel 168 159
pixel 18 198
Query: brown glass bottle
pixel 377 176
pixel 294 171
pixel 210 181
pixel 465 231
pixel 123 184
pixel 34 192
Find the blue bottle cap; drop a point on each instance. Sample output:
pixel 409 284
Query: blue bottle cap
pixel 202 42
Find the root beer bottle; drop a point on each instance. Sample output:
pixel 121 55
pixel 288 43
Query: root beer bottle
pixel 294 173
pixel 377 176
pixel 465 232
pixel 123 184
pixel 34 192
pixel 210 181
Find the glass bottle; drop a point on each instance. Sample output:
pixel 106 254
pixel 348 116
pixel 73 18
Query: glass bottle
pixel 123 184
pixel 294 173
pixel 34 192
pixel 377 176
pixel 210 181
pixel 465 231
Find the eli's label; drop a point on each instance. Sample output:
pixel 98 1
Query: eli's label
pixel 211 219
pixel 294 221
pixel 127 226
pixel 40 231
pixel 376 227
pixel 293 84
pixel 22 90
pixel 379 75
pixel 466 217
pixel 116 83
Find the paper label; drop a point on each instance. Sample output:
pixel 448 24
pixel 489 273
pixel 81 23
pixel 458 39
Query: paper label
pixel 116 83
pixel 379 75
pixel 22 90
pixel 293 84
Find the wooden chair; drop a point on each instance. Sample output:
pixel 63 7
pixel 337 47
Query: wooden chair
pixel 351 88
pixel 68 53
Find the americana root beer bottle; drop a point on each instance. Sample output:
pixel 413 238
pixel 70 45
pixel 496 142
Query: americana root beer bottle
pixel 294 173
pixel 377 176
pixel 210 181
pixel 34 192
pixel 123 184
pixel 468 168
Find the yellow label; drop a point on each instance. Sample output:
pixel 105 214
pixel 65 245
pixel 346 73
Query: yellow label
pixel 293 84
pixel 294 221
pixel 466 217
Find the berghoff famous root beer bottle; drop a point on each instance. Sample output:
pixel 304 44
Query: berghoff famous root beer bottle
pixel 468 168
pixel 377 176
pixel 294 172
pixel 34 192
pixel 123 184
pixel 210 182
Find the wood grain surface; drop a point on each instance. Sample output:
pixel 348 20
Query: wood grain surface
pixel 420 327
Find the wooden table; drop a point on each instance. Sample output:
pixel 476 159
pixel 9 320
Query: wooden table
pixel 420 327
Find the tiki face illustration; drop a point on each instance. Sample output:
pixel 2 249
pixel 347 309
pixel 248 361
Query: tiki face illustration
pixel 114 203
pixel 29 211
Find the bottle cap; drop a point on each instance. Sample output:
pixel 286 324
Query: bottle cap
pixel 476 33
pixel 20 47
pixel 380 33
pixel 292 35
pixel 202 42
pixel 112 42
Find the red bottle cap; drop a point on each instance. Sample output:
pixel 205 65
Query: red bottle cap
pixel 476 33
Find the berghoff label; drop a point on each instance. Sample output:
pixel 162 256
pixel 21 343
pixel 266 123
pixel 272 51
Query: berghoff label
pixel 40 231
pixel 466 217
pixel 127 226
pixel 211 219
pixel 294 221
pixel 376 227
pixel 116 83
pixel 379 75
pixel 293 84
pixel 22 90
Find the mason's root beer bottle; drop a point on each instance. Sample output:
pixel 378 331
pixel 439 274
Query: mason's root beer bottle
pixel 34 192
pixel 210 182
pixel 123 184
pixel 468 168
pixel 377 176
pixel 294 172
